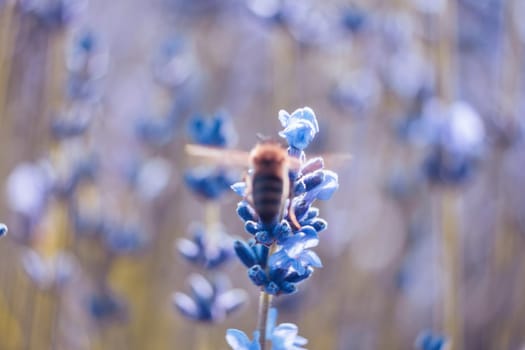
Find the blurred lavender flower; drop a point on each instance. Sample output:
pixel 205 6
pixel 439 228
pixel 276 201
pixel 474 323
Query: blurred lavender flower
pixel 28 187
pixel 155 131
pixel 215 131
pixel 408 73
pixel 106 306
pixel 173 64
pixel 151 177
pixel 209 251
pixel 53 13
pixel 283 336
pixel 87 63
pixel 48 272
pixel 427 340
pixel 454 136
pixel 458 144
pixel 357 92
pixel 73 123
pixel 272 10
pixel 127 239
pixel 431 7
pixel 353 18
pixel 209 301
pixel 3 229
pixel 209 183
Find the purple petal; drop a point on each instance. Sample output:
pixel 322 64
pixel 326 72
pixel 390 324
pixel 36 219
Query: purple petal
pixel 329 186
pixel 311 258
pixel 232 300
pixel 201 287
pixel 307 114
pixel 187 248
pixel 186 305
pixel 239 188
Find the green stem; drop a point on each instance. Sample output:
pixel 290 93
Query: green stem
pixel 265 301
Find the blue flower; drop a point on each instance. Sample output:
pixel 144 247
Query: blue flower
pixel 216 131
pixel 48 272
pixel 155 131
pixel 124 239
pixel 3 229
pixel 174 63
pixel 299 128
pixel 106 306
pixel 204 252
pixel 53 14
pixel 209 301
pixel 251 253
pixel 209 183
pixel 240 341
pixel 283 337
pixel 454 136
pixel 428 340
pixel 290 265
pixel 325 189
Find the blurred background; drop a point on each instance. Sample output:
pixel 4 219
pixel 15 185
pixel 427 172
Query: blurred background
pixel 98 99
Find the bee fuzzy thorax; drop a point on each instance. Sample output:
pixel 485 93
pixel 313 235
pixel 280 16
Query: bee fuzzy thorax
pixel 268 155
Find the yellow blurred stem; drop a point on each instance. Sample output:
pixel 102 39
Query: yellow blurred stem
pixel 10 325
pixel 55 71
pixel 446 27
pixel 54 231
pixel 212 216
pixel 203 338
pixel 7 33
pixel 451 268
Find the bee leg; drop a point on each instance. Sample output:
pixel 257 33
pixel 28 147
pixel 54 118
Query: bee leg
pixel 291 216
pixel 248 194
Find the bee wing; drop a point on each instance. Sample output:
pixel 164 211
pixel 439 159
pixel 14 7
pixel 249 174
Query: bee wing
pixel 219 156
pixel 328 161
pixel 336 160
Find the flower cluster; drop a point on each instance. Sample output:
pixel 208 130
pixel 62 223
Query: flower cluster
pixel 454 136
pixel 283 337
pixel 209 301
pixel 53 14
pixel 202 251
pixel 3 229
pixel 292 261
pixel 427 340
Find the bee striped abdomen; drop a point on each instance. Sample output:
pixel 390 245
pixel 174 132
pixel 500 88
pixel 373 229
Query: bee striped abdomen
pixel 267 197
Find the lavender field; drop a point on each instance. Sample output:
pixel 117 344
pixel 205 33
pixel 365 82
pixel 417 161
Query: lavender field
pixel 396 219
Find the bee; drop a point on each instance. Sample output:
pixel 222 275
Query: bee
pixel 268 186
